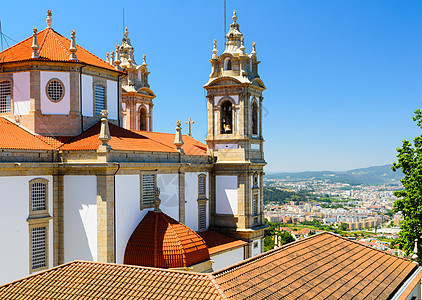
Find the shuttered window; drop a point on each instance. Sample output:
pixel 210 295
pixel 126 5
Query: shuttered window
pixel 38 196
pixel 5 96
pixel 202 218
pixel 148 189
pixel 255 205
pixel 99 99
pixel 201 185
pixel 39 247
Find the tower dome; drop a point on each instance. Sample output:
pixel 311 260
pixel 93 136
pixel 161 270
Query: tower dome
pixel 162 242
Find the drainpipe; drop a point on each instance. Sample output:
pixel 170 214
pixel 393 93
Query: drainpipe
pixel 114 212
pixel 118 96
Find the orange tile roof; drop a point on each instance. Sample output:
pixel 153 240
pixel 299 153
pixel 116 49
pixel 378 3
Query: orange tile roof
pixel 90 280
pixel 53 47
pixel 218 242
pixel 324 266
pixel 128 140
pixel 14 137
pixel 162 242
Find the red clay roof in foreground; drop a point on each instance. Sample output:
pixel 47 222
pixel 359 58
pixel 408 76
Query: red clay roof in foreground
pixel 218 242
pixel 13 136
pixel 89 280
pixel 53 47
pixel 161 241
pixel 323 266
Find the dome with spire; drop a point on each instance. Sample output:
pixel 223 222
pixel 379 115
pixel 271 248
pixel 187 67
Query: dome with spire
pixel 162 242
pixel 234 37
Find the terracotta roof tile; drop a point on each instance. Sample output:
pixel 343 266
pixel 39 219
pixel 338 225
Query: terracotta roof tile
pixel 218 242
pixel 323 266
pixel 160 241
pixel 53 47
pixel 14 137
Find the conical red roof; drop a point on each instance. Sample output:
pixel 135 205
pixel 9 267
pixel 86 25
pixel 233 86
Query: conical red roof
pixel 162 242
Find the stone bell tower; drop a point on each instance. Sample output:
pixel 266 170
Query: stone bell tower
pixel 234 137
pixel 136 93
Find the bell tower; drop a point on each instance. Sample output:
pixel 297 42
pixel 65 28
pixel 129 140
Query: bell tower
pixel 234 138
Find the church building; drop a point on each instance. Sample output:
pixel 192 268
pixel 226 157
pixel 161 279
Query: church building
pixel 84 176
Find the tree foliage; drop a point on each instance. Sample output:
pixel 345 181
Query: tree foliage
pixel 409 202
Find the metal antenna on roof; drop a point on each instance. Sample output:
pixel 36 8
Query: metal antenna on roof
pixel 123 19
pixel 1 37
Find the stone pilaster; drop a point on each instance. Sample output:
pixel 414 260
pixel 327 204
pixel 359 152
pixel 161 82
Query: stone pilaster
pixel 105 217
pixel 182 201
pixel 58 219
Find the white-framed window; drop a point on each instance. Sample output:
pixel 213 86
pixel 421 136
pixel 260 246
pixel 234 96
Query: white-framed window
pixel 148 184
pixel 5 96
pixel 39 247
pixel 55 90
pixel 99 98
pixel 255 245
pixel 202 217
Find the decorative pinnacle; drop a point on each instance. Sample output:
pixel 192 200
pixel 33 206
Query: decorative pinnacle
pixel 104 131
pixel 178 141
pixel 157 200
pixel 415 251
pixel 253 48
pixel 242 43
pixel 126 33
pixel 112 57
pixel 234 17
pixel 144 60
pixel 117 60
pixel 34 46
pixel 49 19
pixel 107 57
pixel 214 49
pixel 72 48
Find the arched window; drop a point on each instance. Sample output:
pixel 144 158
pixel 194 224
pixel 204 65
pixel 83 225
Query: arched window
pixel 227 64
pixel 99 95
pixel 226 118
pixel 143 118
pixel 254 118
pixel 5 96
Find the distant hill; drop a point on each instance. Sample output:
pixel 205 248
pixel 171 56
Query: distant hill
pixel 376 175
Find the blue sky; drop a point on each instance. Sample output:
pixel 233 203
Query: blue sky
pixel 343 78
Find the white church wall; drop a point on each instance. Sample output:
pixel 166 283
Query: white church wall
pixel 80 218
pixel 169 194
pixel 21 96
pixel 59 108
pixel 14 229
pixel 256 247
pixel 191 197
pixel 128 213
pixel 226 194
pixel 225 259
pixel 112 100
pixel 87 96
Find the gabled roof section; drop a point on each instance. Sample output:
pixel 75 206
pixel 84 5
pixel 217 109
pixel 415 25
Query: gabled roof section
pixel 324 266
pixel 53 47
pixel 92 280
pixel 162 242
pixel 13 136
pixel 218 242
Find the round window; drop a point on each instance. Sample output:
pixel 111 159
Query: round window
pixel 55 90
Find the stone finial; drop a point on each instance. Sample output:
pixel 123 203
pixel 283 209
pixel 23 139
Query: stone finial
pixel 112 58
pixel 72 49
pixel 234 17
pixel 35 46
pixel 178 141
pixel 107 57
pixel 242 44
pixel 157 200
pixel 415 251
pixel 117 60
pixel 104 131
pixel 126 33
pixel 49 20
pixel 253 48
pixel 144 60
pixel 214 49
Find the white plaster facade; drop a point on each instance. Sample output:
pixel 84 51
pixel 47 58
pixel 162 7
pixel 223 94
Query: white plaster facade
pixel 55 108
pixel 21 93
pixel 225 259
pixel 226 195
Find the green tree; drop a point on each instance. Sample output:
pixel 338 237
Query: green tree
pixel 409 202
pixel 344 226
pixel 285 238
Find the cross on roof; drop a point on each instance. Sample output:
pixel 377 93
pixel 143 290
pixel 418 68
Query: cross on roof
pixel 190 122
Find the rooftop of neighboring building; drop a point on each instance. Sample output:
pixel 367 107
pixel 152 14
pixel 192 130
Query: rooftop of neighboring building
pixel 324 266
